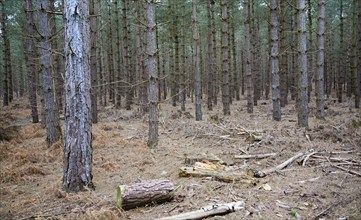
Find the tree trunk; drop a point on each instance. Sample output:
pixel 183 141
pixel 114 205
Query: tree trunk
pixel 57 59
pixel 182 60
pixel 153 75
pixel 225 58
pixel 78 150
pixel 320 94
pixel 355 78
pixel 310 49
pixel 214 51
pixel 358 81
pixel 197 62
pixel 52 121
pixel 93 11
pixel 111 77
pixel 283 53
pixel 274 62
pixel 6 57
pixel 247 49
pixel 210 63
pixel 31 61
pixel 118 57
pixel 127 72
pixel 302 100
pixel 341 63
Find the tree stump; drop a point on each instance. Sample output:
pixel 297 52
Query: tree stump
pixel 144 193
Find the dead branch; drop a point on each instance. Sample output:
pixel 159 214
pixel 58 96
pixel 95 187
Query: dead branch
pixel 307 157
pixel 223 176
pixel 263 173
pixel 217 209
pixel 255 156
pixel 344 169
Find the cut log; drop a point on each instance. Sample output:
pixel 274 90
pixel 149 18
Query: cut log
pixel 255 156
pixel 144 193
pixel 223 176
pixel 217 209
pixel 263 173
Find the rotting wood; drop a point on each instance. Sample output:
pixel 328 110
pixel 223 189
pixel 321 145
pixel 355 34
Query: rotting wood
pixel 211 210
pixel 254 156
pixel 223 176
pixel 212 159
pixel 263 173
pixel 144 193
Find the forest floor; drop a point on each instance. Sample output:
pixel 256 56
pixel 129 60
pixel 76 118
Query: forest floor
pixel 31 173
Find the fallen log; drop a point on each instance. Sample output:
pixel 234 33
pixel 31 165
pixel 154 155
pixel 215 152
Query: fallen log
pixel 255 156
pixel 144 193
pixel 223 176
pixel 217 209
pixel 263 173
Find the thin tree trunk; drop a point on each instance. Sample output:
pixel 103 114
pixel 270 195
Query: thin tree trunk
pixel 355 78
pixel 78 151
pixel 57 60
pixel 111 76
pixel 197 62
pixel 182 60
pixel 302 101
pixel 6 57
pixel 274 62
pixel 128 95
pixel 214 51
pixel 225 57
pixel 93 10
pixel 118 57
pixel 310 49
pixel 283 53
pixel 52 121
pixel 358 81
pixel 341 64
pixel 247 49
pixel 153 77
pixel 210 63
pixel 320 94
pixel 31 61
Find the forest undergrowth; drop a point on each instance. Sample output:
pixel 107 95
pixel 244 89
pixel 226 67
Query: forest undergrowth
pixel 31 173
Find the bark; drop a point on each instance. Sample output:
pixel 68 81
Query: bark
pixel 275 61
pixel 358 82
pixel 214 51
pixel 283 53
pixel 126 54
pixel 144 193
pixel 210 58
pixel 111 77
pixel 197 62
pixel 93 11
pixel 247 49
pixel 341 63
pixel 302 100
pixel 173 83
pixel 78 150
pixel 52 121
pixel 31 61
pixel 182 60
pixel 355 77
pixel 255 54
pixel 6 56
pixel 320 60
pixel 153 75
pixel 310 49
pixel 225 58
pixel 118 56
